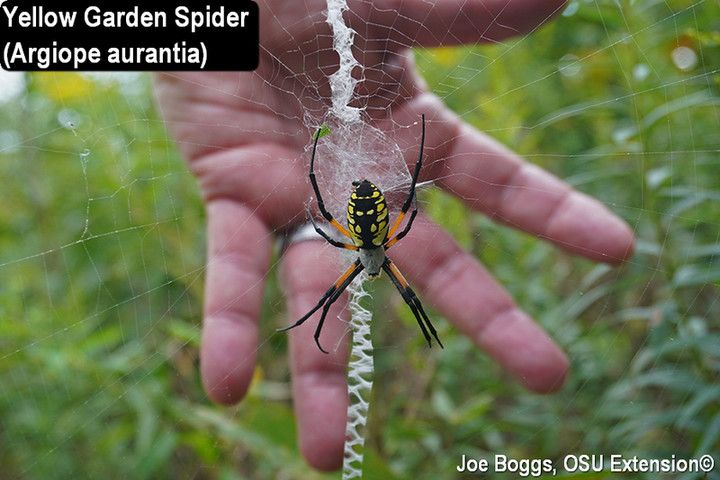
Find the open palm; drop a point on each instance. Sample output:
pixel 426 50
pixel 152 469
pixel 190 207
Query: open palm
pixel 244 137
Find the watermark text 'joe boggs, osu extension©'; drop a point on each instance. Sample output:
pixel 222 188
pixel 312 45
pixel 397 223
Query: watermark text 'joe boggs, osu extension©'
pixel 616 463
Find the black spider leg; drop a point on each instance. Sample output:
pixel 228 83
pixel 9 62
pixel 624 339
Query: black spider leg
pixel 411 196
pixel 329 239
pixel 404 232
pixel 412 301
pixel 338 291
pixel 416 173
pixel 321 204
pixel 332 294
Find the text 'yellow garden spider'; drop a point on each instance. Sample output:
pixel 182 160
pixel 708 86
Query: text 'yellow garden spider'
pixel 368 220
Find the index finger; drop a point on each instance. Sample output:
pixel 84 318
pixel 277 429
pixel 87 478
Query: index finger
pixel 489 177
pixel 238 257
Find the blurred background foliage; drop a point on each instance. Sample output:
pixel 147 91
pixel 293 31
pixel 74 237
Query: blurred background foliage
pixel 102 251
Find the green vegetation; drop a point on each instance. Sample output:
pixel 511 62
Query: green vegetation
pixel 102 251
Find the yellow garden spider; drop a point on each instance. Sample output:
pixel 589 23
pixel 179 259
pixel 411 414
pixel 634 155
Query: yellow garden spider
pixel 368 220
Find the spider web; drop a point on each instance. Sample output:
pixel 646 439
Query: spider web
pixel 102 259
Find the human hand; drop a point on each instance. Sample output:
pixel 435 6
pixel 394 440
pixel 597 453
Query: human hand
pixel 244 137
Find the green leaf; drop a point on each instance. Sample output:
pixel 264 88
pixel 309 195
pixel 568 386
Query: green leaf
pixel 692 275
pixel 709 441
pixel 322 131
pixel 699 401
pixel 158 455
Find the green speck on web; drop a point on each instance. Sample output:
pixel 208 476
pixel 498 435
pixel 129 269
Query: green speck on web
pixel 324 130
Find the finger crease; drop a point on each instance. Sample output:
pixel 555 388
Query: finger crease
pixel 448 272
pixel 241 261
pixel 240 318
pixel 555 211
pixel 322 377
pixel 507 186
pixel 495 319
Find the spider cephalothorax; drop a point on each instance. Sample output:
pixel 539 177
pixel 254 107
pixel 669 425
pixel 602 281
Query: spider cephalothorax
pixel 368 220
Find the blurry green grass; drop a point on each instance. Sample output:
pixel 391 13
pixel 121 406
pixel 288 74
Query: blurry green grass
pixel 102 250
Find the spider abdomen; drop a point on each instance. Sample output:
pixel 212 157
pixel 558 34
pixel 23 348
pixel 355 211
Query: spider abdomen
pixel 367 216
